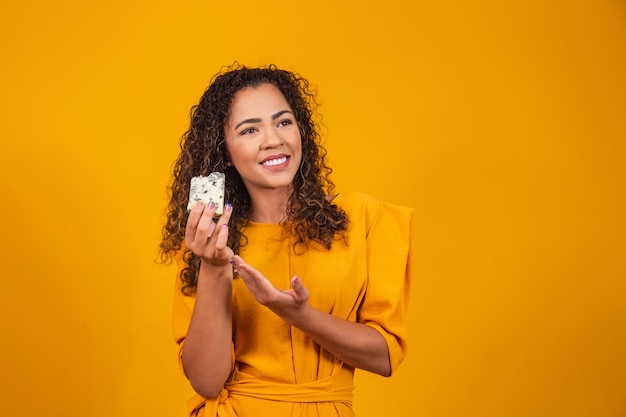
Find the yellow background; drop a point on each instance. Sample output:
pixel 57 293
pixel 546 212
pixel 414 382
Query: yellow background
pixel 502 123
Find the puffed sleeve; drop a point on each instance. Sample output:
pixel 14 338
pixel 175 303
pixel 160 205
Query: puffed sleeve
pixel 384 306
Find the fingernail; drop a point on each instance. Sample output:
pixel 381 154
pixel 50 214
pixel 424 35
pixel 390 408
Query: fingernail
pixel 232 260
pixel 211 205
pixel 296 280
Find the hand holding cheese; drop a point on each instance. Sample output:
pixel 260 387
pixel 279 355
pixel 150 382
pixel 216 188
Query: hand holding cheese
pixel 207 236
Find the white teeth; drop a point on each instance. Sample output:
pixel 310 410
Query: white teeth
pixel 273 162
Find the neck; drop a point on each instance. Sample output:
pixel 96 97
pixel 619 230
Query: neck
pixel 269 206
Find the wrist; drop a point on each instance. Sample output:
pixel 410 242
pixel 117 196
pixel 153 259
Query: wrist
pixel 302 316
pixel 214 271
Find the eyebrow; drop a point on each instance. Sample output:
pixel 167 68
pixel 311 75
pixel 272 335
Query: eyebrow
pixel 257 120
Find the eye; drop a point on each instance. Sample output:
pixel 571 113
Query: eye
pixel 247 131
pixel 285 122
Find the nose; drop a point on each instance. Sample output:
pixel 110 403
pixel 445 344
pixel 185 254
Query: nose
pixel 271 139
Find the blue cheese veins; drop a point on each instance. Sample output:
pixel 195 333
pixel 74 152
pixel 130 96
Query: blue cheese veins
pixel 208 189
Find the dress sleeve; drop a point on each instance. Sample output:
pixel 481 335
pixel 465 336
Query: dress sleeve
pixel 385 303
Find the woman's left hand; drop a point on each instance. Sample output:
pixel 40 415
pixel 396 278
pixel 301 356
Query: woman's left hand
pixel 357 344
pixel 289 304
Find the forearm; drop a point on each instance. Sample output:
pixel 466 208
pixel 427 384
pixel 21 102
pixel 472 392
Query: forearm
pixel 206 352
pixel 356 344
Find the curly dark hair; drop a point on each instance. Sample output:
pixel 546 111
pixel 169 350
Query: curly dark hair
pixel 310 215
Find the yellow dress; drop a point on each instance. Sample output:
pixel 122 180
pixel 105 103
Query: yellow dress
pixel 277 370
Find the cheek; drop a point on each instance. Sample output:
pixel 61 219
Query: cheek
pixel 296 142
pixel 298 145
pixel 241 153
pixel 232 150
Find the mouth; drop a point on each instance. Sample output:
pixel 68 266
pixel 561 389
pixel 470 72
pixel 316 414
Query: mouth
pixel 272 161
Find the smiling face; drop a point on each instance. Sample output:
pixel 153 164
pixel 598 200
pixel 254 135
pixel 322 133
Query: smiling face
pixel 263 139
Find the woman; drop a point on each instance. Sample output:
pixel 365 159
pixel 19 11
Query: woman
pixel 280 298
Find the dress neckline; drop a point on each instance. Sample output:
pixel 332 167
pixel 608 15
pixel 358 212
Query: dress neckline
pixel 334 200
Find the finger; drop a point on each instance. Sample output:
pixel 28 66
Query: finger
pixel 206 225
pixel 225 217
pixel 192 222
pixel 260 287
pixel 222 237
pixel 247 272
pixel 222 229
pixel 240 266
pixel 302 293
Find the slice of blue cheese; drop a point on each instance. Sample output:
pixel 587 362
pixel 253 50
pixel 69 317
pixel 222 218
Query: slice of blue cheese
pixel 208 189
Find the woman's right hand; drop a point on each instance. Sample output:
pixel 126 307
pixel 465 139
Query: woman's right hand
pixel 207 238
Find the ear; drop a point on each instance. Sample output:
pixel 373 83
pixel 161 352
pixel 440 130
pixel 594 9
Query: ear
pixel 227 158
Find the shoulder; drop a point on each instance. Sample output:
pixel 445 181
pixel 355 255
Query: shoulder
pixel 360 206
pixel 354 202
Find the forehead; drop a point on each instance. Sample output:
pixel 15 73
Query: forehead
pixel 254 101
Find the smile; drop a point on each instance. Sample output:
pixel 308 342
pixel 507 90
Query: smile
pixel 272 162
